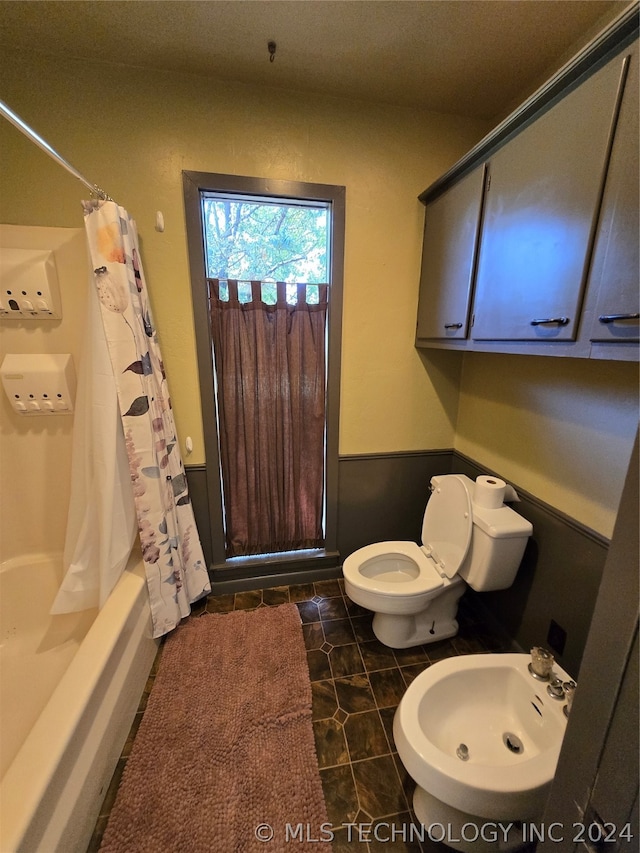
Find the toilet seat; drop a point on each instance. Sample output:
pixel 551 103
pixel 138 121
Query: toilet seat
pixel 447 525
pixel 401 569
pixel 378 562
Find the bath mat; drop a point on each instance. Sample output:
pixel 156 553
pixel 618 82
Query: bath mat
pixel 224 760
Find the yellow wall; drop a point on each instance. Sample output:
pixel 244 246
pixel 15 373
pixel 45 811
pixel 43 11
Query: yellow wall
pixel 562 429
pixel 134 131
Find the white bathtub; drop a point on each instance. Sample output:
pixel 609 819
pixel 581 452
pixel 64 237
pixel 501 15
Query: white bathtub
pixel 70 689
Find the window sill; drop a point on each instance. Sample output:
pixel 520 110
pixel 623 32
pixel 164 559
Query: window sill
pixel 268 570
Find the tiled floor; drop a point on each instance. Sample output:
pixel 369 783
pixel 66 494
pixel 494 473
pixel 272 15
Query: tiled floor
pixel 356 683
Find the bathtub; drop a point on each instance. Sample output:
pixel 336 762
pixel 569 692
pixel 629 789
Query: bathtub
pixel 70 688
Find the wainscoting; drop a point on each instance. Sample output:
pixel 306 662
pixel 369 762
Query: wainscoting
pixel 558 579
pixel 383 496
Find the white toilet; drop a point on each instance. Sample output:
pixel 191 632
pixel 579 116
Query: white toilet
pixel 414 590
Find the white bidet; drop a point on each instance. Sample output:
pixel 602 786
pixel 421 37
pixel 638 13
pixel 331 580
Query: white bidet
pixel 481 738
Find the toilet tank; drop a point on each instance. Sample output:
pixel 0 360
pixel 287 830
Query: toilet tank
pixel 498 541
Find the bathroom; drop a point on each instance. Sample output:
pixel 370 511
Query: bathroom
pixel 562 435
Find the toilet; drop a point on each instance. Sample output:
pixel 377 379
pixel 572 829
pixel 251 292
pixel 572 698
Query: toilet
pixel 414 590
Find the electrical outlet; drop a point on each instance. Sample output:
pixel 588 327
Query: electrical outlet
pixel 556 637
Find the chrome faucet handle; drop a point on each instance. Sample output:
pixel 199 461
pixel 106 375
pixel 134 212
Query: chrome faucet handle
pixel 569 689
pixel 555 688
pixel 541 663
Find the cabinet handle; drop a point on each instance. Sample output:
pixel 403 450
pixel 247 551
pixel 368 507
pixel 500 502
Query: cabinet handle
pixel 453 325
pixel 611 318
pixel 558 321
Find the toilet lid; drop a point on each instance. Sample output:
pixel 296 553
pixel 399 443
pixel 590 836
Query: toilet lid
pixel 448 520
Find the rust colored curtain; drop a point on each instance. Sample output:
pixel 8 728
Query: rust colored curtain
pixel 270 371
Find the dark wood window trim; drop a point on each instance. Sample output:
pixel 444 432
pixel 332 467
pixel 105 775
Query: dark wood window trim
pixel 194 184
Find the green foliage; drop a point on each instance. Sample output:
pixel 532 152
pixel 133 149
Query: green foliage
pixel 265 241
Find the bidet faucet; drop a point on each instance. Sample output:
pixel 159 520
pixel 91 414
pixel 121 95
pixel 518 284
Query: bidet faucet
pixel 569 690
pixel 555 688
pixel 541 663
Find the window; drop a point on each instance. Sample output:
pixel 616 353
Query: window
pixel 249 238
pixel 261 247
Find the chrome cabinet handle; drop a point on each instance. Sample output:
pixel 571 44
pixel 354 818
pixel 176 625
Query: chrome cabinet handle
pixel 558 321
pixel 611 318
pixel 453 325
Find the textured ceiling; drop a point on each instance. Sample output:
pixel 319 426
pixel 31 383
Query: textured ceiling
pixel 472 57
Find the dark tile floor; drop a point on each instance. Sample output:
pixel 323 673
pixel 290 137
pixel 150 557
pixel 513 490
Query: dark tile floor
pixel 357 683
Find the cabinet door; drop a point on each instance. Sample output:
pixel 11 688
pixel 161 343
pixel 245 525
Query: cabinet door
pixel 542 200
pixel 451 229
pixel 615 261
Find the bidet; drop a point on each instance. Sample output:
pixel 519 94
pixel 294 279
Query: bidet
pixel 481 738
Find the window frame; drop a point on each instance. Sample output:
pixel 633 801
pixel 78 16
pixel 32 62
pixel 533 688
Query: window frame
pixel 195 184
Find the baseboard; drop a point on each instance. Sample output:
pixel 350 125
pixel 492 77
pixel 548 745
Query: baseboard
pixel 286 578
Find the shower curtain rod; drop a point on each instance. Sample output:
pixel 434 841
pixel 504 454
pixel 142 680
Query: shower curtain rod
pixel 41 143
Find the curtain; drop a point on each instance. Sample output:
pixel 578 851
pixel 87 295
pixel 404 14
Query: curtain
pixel 101 522
pixel 175 568
pixel 270 372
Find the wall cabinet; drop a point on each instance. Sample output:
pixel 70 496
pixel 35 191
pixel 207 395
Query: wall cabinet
pixel 535 250
pixel 452 224
pixel 540 209
pixel 613 284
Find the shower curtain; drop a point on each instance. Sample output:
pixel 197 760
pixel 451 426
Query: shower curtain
pixel 175 567
pixel 101 523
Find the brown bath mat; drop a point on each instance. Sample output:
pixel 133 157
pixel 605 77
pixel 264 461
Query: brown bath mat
pixel 225 757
